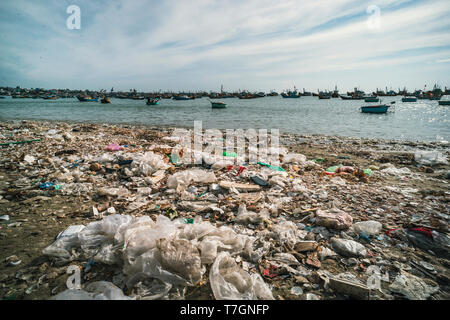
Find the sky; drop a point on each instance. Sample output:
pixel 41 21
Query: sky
pixel 257 45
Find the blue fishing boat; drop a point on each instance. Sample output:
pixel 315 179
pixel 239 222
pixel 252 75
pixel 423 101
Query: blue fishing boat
pixel 152 102
pixel 290 94
pixel 375 109
pixel 409 99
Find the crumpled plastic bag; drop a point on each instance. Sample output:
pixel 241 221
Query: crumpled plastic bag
pixel 229 282
pixel 294 158
pixel 288 232
pixel 430 158
pixel 97 233
pixel 65 241
pixel 148 163
pixel 181 180
pixel 245 217
pixel 412 287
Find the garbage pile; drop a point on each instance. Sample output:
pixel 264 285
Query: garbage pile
pixel 146 225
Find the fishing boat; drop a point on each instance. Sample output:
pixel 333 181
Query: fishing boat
pixel 50 98
pixel 152 102
pixel 409 99
pixel 2 97
pixel 375 109
pixel 218 105
pixel 444 102
pixel 105 100
pixel 87 99
pixel 371 99
pixel 138 98
pixel 181 98
pixel 290 94
pixel 347 97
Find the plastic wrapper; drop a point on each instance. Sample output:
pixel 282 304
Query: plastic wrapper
pixel 229 282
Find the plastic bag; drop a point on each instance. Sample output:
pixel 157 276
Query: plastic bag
pixel 229 282
pixel 294 158
pixel 149 163
pixel 180 257
pixel 97 233
pixel 146 288
pixel 181 180
pixel 141 236
pixel 245 217
pixel 100 290
pixel 64 243
pixel 348 248
pixel 369 228
pixel 114 192
pixel 430 158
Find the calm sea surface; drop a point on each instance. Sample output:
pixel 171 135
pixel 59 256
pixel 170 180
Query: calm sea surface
pixel 423 120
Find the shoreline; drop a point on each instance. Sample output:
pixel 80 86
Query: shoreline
pixel 441 145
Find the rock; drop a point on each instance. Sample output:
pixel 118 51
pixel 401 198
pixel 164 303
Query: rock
pixel 348 248
pixel 95 167
pixel 302 246
pixel 369 228
pixel 334 219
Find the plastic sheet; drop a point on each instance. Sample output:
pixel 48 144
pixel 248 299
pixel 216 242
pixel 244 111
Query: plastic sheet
pixel 229 282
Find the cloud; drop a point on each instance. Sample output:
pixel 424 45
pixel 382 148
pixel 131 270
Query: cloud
pixel 257 44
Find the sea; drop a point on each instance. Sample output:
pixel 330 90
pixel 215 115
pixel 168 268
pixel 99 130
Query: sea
pixel 424 120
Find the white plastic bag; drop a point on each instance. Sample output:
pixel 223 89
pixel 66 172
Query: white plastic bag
pixel 64 243
pixel 229 282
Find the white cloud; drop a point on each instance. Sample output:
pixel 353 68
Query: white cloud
pixel 193 43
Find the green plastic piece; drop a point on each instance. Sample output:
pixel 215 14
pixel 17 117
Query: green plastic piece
pixel 318 160
pixel 333 168
pixel 368 172
pixel 230 154
pixel 270 166
pixel 189 221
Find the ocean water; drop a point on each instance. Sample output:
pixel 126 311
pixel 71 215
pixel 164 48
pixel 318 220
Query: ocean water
pixel 423 120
